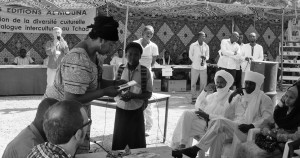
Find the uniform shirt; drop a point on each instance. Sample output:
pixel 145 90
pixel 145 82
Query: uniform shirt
pixel 227 58
pixel 148 52
pixel 246 51
pixel 54 57
pixel 134 104
pixel 48 150
pixel 195 52
pixel 22 144
pixel 23 61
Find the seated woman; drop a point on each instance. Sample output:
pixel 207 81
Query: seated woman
pixel 286 122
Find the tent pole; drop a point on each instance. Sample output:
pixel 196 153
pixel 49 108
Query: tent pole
pixel 281 48
pixel 125 34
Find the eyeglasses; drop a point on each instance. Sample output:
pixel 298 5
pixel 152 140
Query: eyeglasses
pixel 86 124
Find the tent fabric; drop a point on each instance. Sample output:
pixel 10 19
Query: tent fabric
pixel 162 4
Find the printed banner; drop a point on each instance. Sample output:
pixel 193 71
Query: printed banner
pixel 294 30
pixel 31 20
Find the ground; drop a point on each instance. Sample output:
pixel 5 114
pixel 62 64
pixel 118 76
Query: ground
pixel 16 112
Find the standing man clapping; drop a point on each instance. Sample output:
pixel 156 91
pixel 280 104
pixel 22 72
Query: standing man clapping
pixel 199 54
pixel 56 50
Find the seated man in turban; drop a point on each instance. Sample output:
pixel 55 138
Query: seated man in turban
pixel 193 124
pixel 247 110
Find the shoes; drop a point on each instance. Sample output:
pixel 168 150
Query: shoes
pixel 190 152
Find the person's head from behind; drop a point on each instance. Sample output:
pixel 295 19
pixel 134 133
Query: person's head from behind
pixel 253 82
pixel 234 37
pixel 120 53
pixel 223 81
pixel 103 35
pixel 291 97
pixel 252 37
pixel 66 123
pixel 148 32
pixel 133 53
pixel 22 53
pixel 57 31
pixel 39 117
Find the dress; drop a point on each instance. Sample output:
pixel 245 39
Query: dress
pixel 76 74
pixel 129 128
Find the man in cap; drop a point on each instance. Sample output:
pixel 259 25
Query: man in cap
pixel 245 112
pixel 66 128
pixel 251 51
pixel 208 106
pixel 198 53
pixel 31 136
pixel 229 54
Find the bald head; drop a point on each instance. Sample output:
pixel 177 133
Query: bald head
pixel 252 37
pixel 234 37
pixel 62 120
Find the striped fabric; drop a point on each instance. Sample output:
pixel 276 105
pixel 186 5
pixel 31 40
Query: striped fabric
pixel 48 150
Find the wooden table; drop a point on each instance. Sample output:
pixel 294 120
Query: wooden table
pixel 156 97
pixel 163 151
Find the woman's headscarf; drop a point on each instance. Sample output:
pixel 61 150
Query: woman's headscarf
pixel 292 120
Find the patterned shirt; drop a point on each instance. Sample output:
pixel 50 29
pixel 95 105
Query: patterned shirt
pixel 48 150
pixel 77 74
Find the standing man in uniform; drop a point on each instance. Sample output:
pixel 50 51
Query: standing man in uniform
pixel 150 53
pixel 199 54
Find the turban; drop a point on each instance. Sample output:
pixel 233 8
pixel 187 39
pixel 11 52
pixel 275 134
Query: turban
pixel 105 28
pixel 255 77
pixel 227 76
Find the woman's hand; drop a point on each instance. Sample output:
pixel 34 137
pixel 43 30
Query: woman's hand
pixel 127 96
pixel 111 91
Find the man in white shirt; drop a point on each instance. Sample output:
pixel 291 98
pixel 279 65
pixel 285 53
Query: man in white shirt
pixel 198 53
pixel 229 54
pixel 251 51
pixel 209 105
pixel 150 53
pixel 247 110
pixel 23 59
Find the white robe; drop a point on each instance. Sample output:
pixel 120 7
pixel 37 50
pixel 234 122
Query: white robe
pixel 240 115
pixel 190 125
